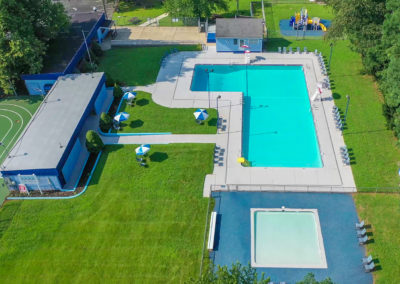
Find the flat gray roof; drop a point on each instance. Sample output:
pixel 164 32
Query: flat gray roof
pixel 239 28
pixel 45 138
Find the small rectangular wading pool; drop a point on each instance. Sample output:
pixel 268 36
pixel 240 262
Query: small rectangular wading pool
pixel 278 126
pixel 288 239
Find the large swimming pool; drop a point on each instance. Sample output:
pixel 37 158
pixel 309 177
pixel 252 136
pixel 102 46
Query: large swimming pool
pixel 278 127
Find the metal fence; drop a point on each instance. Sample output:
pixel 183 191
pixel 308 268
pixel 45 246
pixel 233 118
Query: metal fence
pixel 303 188
pixel 155 22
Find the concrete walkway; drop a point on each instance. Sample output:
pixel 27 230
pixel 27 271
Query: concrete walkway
pixel 153 20
pixel 160 139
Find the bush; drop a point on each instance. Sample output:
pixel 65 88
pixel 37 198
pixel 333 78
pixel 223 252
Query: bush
pixel 134 21
pixel 96 49
pixel 110 82
pixel 85 67
pixel 105 122
pixel 118 93
pixel 94 144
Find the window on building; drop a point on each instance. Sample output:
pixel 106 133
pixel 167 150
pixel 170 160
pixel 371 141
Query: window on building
pixel 253 41
pixel 242 42
pixel 235 41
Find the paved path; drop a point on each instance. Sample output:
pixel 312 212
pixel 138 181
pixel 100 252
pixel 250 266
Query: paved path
pixel 153 20
pixel 160 139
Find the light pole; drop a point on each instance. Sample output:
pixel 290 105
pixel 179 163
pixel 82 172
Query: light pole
pixel 330 56
pixel 219 96
pixel 208 85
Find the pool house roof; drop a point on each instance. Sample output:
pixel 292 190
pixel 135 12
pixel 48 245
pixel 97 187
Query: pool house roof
pixel 239 28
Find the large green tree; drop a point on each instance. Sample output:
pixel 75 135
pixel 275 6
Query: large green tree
pixel 26 26
pixel 361 22
pixel 194 8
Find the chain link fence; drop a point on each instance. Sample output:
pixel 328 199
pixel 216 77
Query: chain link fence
pixel 155 22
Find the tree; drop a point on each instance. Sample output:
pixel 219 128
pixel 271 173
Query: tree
pixel 105 122
pixel 118 93
pixel 25 29
pixel 236 274
pixel 94 144
pixel 194 8
pixel 361 21
pixel 310 279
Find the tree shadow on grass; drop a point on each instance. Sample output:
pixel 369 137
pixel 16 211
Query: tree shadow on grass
pixel 212 122
pixel 136 123
pixel 142 102
pixel 158 157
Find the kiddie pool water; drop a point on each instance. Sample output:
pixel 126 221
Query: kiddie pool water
pixel 287 239
pixel 278 127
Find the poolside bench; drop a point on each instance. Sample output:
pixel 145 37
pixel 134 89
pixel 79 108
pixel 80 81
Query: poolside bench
pixel 211 233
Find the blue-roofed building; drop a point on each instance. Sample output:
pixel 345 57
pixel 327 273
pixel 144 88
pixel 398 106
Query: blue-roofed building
pixel 232 35
pixel 51 152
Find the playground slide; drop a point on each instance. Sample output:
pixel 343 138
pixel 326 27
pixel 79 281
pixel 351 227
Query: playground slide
pixel 310 21
pixel 323 28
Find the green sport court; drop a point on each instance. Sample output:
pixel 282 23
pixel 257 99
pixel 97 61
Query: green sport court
pixel 15 113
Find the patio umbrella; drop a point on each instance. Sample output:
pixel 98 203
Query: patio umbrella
pixel 129 96
pixel 200 114
pixel 247 51
pixel 121 116
pixel 244 46
pixel 142 149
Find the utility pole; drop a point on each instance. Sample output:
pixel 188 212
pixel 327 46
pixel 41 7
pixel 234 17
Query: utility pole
pixel 330 56
pixel 347 109
pixel 237 7
pixel 88 51
pixel 104 7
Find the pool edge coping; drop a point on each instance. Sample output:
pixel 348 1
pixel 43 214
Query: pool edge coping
pixel 323 265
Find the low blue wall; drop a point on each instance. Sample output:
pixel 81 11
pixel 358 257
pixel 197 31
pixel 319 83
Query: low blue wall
pixel 228 45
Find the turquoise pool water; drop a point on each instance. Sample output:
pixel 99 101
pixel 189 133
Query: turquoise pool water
pixel 287 239
pixel 278 126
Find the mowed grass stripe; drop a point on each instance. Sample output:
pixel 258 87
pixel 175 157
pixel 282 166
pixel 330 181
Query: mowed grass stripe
pixel 134 224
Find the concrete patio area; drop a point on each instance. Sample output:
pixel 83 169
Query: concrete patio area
pixel 173 90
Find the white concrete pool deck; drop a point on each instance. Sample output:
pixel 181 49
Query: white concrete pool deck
pixel 172 89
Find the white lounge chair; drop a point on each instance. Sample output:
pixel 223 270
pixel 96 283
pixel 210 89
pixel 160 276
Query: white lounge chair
pixel 362 232
pixel 367 260
pixel 369 267
pixel 363 240
pixel 361 224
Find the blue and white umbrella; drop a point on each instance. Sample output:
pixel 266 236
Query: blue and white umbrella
pixel 129 96
pixel 142 149
pixel 121 116
pixel 200 114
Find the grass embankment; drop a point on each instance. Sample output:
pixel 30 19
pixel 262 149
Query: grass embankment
pixel 137 66
pixel 134 224
pixel 382 211
pixel 147 116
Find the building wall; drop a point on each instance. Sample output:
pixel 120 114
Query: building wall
pixel 34 81
pixel 100 99
pixel 72 159
pixel 234 45
pixel 34 182
pixel 36 87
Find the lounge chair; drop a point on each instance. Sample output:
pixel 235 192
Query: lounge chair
pixel 362 232
pixel 363 240
pixel 367 260
pixel 360 225
pixel 369 267
pixel 143 164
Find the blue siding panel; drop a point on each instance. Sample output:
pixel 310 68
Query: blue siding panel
pixel 100 99
pixel 36 87
pixel 71 161
pixel 228 45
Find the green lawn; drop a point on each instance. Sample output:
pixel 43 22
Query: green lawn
pixel 137 66
pixel 134 224
pixel 382 211
pixel 147 116
pixel 15 113
pixel 376 156
pixel 128 10
pixel 3 191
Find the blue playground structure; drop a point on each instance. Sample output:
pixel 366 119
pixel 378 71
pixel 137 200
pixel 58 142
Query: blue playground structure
pixel 301 21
